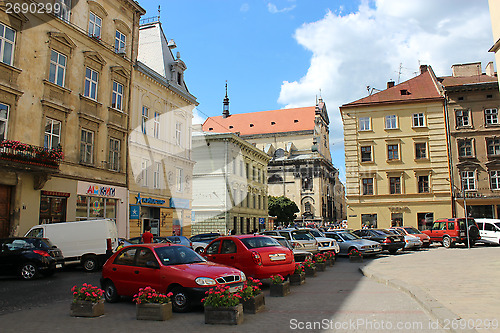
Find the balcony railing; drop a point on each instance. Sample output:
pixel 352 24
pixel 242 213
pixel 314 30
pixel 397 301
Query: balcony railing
pixel 19 152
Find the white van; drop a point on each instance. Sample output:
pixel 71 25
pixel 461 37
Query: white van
pixel 489 229
pixel 88 242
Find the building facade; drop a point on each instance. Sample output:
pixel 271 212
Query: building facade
pixel 229 185
pixel 64 87
pixel 472 103
pixel 397 170
pixel 297 140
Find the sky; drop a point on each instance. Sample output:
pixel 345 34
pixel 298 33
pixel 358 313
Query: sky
pixel 286 53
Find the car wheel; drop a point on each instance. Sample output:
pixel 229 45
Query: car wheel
pixel 180 300
pixel 447 242
pixel 89 263
pixel 28 271
pixel 110 292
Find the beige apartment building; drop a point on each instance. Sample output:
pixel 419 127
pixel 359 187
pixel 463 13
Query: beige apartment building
pixel 494 6
pixel 397 170
pixel 472 103
pixel 160 166
pixel 64 82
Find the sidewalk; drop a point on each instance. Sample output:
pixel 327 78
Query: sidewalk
pixel 456 283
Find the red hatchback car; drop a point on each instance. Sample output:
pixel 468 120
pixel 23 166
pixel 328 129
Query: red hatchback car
pixel 257 256
pixel 166 268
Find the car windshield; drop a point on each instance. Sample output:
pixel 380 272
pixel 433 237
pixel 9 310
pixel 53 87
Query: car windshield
pixel 257 242
pixel 497 224
pixel 381 232
pixel 316 233
pixel 302 235
pixel 412 231
pixel 285 243
pixel 348 236
pixel 177 255
pixel 399 231
pixel 334 236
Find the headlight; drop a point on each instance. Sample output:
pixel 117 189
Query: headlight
pixel 243 276
pixel 365 247
pixel 204 281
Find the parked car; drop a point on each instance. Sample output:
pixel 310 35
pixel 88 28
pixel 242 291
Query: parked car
pixel 200 241
pixel 453 231
pixel 166 268
pixel 181 240
pixel 300 239
pixel 257 256
pixel 324 243
pixel 426 241
pixel 348 241
pixel 156 239
pixel 489 230
pixel 411 242
pixel 298 255
pixel 389 241
pixel 29 257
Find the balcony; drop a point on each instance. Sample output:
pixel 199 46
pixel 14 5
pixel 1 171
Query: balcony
pixel 18 155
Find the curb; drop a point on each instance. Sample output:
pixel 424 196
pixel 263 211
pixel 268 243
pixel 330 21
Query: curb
pixel 437 310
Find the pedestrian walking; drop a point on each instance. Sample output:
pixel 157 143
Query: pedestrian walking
pixel 147 236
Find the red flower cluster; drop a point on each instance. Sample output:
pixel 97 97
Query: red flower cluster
pixel 220 297
pixel 250 288
pixel 149 295
pixel 354 253
pixel 319 257
pixel 37 152
pixel 87 293
pixel 299 268
pixel 330 255
pixel 277 279
pixel 309 264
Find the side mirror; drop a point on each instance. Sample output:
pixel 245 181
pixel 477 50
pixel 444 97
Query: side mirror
pixel 152 264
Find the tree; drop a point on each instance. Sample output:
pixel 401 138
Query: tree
pixel 283 208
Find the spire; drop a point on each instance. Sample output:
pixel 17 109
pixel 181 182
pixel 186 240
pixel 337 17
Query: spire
pixel 225 106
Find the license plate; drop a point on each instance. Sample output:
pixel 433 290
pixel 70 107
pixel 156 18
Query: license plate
pixel 277 256
pixel 58 265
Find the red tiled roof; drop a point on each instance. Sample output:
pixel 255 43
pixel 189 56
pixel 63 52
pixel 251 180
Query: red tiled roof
pixel 417 88
pixel 450 81
pixel 275 121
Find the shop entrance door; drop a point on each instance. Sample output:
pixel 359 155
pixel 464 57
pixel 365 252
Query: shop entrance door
pixel 155 227
pixel 4 211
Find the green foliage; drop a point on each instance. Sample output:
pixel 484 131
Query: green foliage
pixel 283 208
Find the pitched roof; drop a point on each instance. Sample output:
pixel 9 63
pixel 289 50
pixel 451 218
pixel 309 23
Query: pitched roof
pixel 418 88
pixel 274 121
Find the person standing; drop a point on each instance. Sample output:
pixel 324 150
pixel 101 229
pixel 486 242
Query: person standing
pixel 147 236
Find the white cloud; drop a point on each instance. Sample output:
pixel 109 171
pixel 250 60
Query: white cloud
pixel 274 10
pixel 245 7
pixel 352 51
pixel 197 118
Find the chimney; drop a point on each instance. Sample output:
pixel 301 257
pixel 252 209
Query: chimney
pixel 470 69
pixel 390 84
pixel 490 69
pixel 225 106
pixel 423 69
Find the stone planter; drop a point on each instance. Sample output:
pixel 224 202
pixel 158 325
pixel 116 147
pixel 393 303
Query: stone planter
pixel 226 316
pixel 254 304
pixel 320 266
pixel 87 308
pixel 356 258
pixel 330 262
pixel 311 272
pixel 153 311
pixel 280 289
pixel 298 279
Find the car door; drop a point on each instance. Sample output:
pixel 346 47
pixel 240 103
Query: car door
pixel 122 271
pixel 489 233
pixel 147 270
pixel 212 251
pixel 437 231
pixel 6 258
pixel 229 254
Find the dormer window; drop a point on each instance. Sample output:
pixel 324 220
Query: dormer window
pixel 404 92
pixel 211 129
pixel 295 120
pixel 251 125
pixel 273 123
pixel 231 126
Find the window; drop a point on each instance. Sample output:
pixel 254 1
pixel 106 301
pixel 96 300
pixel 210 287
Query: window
pixel 91 83
pixel 7 40
pixel 493 146
pixel 395 185
pixel 495 179
pixel 156 175
pixel 4 120
pixel 95 24
pixel 392 152
pixel 366 154
pixel 462 118
pixel 367 186
pixel 64 10
pixel 468 180
pixel 86 146
pixel 57 70
pixel 145 117
pixel 465 148
pixel 52 136
pixel 491 116
pixel 144 172
pixel 117 97
pixel 178 133
pixel 420 150
pixel 369 220
pixel 120 42
pixel 364 124
pixel 418 120
pixel 391 122
pixel 156 125
pixel 114 154
pixel 180 185
pixel 423 184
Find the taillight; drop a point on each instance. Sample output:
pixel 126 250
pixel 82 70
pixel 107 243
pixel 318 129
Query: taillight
pixel 295 244
pixel 108 244
pixel 256 258
pixel 42 253
pixel 388 240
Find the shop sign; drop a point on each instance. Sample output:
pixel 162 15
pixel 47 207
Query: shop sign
pixel 150 201
pixel 103 191
pixel 135 211
pixel 262 220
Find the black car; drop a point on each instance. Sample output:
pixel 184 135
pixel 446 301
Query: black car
pixel 29 257
pixel 156 239
pixel 387 239
pixel 205 238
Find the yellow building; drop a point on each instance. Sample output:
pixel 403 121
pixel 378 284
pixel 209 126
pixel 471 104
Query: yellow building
pixel 64 85
pixel 397 170
pixel 495 27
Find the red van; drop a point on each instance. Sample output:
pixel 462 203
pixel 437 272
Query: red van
pixel 453 231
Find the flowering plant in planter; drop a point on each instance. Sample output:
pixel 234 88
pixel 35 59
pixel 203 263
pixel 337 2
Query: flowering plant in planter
pixel 221 297
pixel 250 289
pixel 329 255
pixel 319 258
pixel 309 264
pixel 149 295
pixel 87 292
pixel 355 253
pixel 299 269
pixel 277 279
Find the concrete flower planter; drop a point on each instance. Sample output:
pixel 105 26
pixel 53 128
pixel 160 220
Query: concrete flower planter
pixel 298 279
pixel 154 311
pixel 226 316
pixel 310 272
pixel 254 304
pixel 320 266
pixel 280 289
pixel 87 308
pixel 355 258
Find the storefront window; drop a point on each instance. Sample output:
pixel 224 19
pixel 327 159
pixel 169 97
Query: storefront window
pixel 52 209
pixel 88 207
pixel 96 207
pixel 111 209
pixel 369 220
pixel 82 207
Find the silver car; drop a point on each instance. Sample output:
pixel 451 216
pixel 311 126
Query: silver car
pixel 347 241
pixel 300 239
pixel 324 243
pixel 299 255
